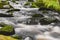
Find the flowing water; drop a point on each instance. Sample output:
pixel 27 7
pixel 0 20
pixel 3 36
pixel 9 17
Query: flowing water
pixel 32 31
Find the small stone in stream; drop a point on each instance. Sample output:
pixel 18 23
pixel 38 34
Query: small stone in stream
pixel 5 15
pixel 7 30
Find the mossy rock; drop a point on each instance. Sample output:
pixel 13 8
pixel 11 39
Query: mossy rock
pixel 46 21
pixel 2 37
pixel 37 15
pixel 7 30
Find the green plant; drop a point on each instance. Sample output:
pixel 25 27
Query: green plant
pixel 52 4
pixel 7 29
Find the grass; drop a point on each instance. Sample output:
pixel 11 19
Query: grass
pixel 52 4
pixel 7 28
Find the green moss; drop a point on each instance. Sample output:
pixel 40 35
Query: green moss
pixel 7 29
pixel 27 3
pixel 52 4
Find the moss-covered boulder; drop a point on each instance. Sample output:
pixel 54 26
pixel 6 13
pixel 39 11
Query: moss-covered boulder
pixel 2 37
pixel 7 30
pixel 46 21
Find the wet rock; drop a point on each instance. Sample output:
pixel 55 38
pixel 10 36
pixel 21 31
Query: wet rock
pixel 34 20
pixel 48 9
pixel 46 21
pixel 5 15
pixel 12 10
